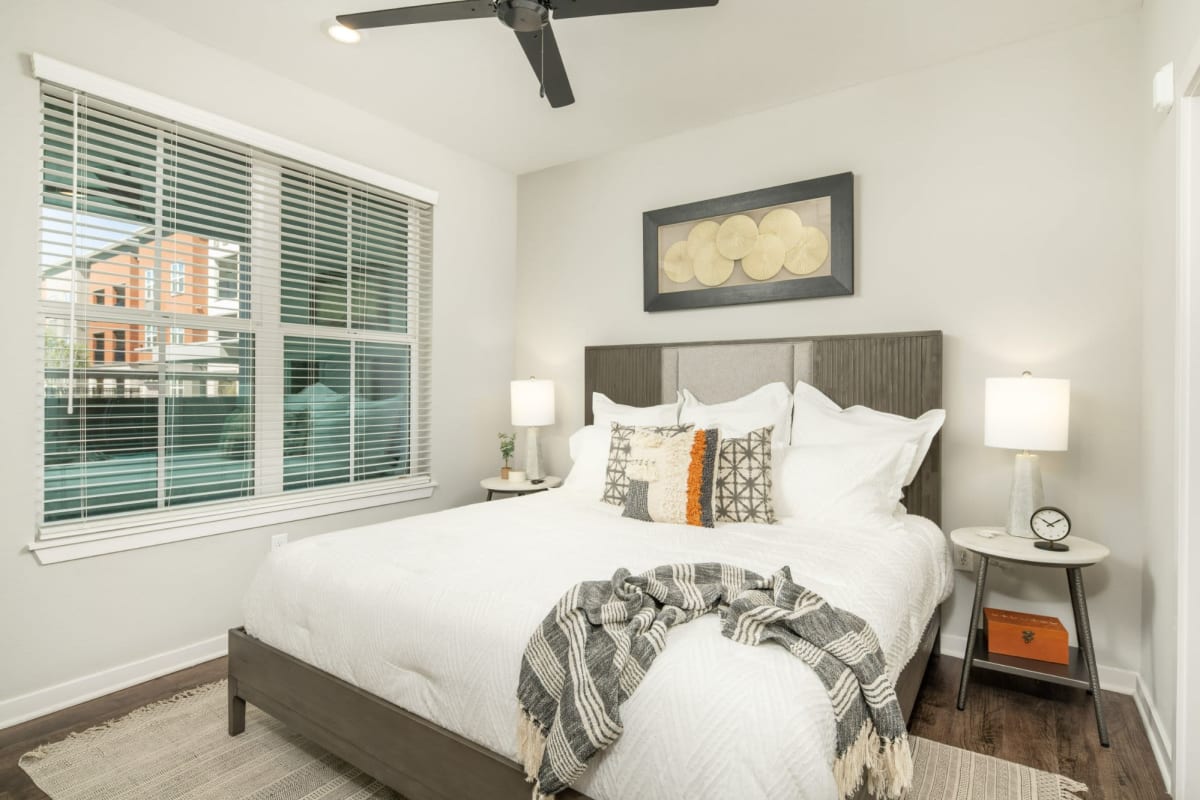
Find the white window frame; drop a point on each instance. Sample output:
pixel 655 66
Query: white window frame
pixel 118 533
pixel 178 278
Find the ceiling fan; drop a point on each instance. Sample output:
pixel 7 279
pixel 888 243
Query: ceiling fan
pixel 529 19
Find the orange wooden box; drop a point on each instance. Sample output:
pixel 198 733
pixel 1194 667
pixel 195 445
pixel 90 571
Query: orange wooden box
pixel 1012 633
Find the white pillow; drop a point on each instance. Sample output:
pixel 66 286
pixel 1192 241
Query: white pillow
pixel 855 485
pixel 766 405
pixel 605 412
pixel 818 420
pixel 589 452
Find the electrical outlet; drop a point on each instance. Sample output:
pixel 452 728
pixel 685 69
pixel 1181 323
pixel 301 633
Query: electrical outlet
pixel 965 559
pixel 278 540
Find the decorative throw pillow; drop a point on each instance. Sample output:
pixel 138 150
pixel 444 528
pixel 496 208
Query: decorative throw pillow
pixel 742 491
pixel 671 477
pixel 616 484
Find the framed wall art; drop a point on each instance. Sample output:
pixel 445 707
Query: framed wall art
pixel 785 243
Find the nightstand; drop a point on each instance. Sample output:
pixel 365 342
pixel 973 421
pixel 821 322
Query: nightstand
pixel 496 486
pixel 995 543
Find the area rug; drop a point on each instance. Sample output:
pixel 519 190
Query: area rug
pixel 178 749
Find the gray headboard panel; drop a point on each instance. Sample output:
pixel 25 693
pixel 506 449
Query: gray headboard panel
pixel 896 372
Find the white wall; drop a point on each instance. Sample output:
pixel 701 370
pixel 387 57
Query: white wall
pixel 998 200
pixel 61 622
pixel 1170 33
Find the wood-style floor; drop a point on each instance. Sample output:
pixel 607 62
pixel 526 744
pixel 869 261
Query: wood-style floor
pixel 1052 728
pixel 1044 726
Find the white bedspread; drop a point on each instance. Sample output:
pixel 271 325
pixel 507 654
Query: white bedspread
pixel 384 608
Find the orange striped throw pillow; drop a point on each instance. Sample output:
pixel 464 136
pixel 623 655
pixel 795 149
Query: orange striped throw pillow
pixel 671 477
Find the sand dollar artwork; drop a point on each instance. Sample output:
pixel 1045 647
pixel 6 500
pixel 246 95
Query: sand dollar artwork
pixel 678 264
pixel 766 259
pixel 700 235
pixel 712 268
pixel 736 237
pixel 784 223
pixel 807 255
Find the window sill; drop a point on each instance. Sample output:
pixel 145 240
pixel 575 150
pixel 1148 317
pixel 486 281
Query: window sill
pixel 101 537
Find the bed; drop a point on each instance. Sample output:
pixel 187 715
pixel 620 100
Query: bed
pixel 359 641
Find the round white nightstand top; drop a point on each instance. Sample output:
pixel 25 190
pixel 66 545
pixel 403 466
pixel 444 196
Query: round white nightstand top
pixel 1015 548
pixel 505 485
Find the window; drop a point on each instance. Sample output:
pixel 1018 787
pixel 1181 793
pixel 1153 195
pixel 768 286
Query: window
pixel 178 277
pixel 148 287
pixel 98 297
pixel 296 327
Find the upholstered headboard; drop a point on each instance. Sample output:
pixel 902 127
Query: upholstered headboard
pixel 896 372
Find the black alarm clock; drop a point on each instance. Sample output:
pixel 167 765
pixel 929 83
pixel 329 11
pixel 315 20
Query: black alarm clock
pixel 1051 525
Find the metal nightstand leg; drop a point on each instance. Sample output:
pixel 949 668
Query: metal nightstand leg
pixel 1084 628
pixel 976 612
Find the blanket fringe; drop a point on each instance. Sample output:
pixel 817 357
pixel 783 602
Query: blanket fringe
pixel 887 765
pixel 531 748
pixel 1067 788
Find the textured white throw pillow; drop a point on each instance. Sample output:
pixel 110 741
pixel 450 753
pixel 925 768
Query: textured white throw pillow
pixel 766 405
pixel 605 412
pixel 818 420
pixel 854 485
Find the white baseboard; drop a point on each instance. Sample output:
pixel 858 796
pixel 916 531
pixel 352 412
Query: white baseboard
pixel 1156 732
pixel 53 698
pixel 1114 679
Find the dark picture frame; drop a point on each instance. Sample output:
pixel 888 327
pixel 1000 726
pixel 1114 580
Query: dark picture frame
pixel 840 280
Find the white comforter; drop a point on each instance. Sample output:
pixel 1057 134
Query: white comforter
pixel 432 613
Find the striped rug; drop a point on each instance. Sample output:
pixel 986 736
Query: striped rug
pixel 178 749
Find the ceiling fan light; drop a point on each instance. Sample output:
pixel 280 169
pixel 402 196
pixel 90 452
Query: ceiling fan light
pixel 341 33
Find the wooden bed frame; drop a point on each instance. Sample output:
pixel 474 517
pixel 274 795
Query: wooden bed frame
pixel 900 373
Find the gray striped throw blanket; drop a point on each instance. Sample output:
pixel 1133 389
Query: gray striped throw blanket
pixel 594 648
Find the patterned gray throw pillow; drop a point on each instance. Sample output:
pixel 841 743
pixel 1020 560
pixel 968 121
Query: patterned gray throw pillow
pixel 742 490
pixel 616 482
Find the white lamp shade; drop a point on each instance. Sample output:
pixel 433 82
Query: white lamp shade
pixel 532 403
pixel 1027 413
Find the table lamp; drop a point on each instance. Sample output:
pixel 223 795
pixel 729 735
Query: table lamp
pixel 1026 413
pixel 532 407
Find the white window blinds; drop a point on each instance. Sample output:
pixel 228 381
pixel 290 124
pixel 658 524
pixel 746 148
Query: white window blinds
pixel 219 324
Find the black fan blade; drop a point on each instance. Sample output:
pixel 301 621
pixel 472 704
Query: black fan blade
pixel 541 48
pixel 438 12
pixel 566 9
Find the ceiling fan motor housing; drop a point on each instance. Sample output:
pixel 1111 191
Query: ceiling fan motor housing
pixel 523 16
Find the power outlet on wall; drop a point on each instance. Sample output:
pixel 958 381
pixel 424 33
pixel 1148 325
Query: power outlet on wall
pixel 964 559
pixel 278 540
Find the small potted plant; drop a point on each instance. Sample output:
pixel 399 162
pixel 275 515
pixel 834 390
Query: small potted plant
pixel 508 444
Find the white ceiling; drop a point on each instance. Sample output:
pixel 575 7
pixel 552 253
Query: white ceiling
pixel 636 76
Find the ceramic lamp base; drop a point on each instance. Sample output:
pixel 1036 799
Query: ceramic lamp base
pixel 533 455
pixel 1026 495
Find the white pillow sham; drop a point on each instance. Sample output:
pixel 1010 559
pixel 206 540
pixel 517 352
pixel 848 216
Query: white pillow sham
pixel 766 405
pixel 605 412
pixel 589 453
pixel 818 420
pixel 854 485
